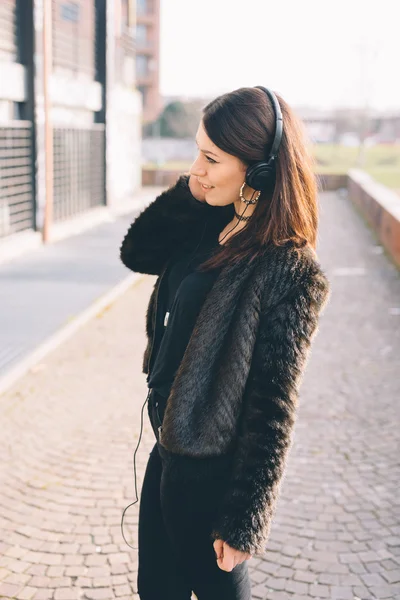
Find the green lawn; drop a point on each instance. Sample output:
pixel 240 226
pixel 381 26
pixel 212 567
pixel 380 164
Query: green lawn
pixel 382 162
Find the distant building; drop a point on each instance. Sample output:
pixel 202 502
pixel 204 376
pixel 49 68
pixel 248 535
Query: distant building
pixel 148 57
pixel 387 128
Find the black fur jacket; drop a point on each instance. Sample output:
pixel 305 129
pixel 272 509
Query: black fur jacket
pixel 236 388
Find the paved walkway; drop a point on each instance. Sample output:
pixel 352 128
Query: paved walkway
pixel 70 428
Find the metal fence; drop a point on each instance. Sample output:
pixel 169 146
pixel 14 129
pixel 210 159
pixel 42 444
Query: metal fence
pixel 16 178
pixel 78 170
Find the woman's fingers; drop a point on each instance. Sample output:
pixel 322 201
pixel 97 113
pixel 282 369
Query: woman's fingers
pixel 218 548
pixel 228 558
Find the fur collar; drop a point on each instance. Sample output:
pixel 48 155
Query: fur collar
pixel 206 397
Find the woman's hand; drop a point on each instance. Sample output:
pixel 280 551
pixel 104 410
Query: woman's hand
pixel 227 557
pixel 196 189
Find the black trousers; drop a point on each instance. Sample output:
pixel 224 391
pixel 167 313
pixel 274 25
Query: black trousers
pixel 178 503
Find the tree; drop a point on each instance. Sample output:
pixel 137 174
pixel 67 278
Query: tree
pixel 177 120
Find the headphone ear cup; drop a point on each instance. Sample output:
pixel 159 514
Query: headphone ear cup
pixel 262 175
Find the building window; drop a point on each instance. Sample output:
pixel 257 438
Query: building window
pixel 69 11
pixel 74 36
pixel 125 43
pixel 141 34
pixel 8 29
pixel 142 66
pixel 141 7
pixel 143 90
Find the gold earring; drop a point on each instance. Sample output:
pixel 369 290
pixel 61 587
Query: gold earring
pixel 254 201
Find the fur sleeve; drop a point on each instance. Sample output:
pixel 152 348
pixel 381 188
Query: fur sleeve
pixel 269 406
pixel 172 218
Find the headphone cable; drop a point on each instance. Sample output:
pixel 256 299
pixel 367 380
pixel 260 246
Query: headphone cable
pixel 148 394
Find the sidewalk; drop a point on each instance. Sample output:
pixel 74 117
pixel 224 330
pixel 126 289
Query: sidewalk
pixel 71 426
pixel 46 289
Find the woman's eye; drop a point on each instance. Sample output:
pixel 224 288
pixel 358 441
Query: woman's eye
pixel 210 159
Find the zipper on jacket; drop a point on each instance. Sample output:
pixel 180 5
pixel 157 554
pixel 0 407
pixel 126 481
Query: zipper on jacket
pixel 158 414
pixel 159 420
pixel 156 300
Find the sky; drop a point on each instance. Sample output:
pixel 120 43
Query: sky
pixel 318 53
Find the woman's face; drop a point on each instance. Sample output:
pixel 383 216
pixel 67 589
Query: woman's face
pixel 214 167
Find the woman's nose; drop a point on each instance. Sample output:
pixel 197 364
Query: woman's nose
pixel 196 170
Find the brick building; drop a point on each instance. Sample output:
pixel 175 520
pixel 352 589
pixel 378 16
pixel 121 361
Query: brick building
pixel 70 111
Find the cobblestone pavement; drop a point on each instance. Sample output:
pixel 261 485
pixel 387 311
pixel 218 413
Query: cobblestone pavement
pixel 70 427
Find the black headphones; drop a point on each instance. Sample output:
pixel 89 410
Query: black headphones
pixel 262 175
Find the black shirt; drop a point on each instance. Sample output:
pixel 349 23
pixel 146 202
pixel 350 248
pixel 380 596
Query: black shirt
pixel 181 295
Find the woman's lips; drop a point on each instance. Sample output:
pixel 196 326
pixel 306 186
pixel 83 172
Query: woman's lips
pixel 207 187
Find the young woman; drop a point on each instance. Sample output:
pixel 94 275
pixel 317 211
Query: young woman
pixel 230 322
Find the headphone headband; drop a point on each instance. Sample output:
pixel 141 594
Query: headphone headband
pixel 278 120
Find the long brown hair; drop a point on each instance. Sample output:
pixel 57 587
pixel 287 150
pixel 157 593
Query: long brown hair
pixel 242 123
